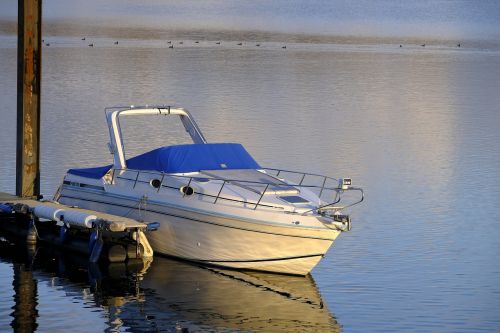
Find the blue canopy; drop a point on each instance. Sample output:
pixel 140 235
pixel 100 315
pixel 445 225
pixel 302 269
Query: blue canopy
pixel 184 158
pixel 95 173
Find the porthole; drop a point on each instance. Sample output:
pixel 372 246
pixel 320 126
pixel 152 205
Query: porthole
pixel 187 190
pixel 156 183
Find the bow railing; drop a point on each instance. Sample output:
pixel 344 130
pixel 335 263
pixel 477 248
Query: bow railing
pixel 329 190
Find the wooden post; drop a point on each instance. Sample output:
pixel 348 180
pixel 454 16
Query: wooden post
pixel 29 73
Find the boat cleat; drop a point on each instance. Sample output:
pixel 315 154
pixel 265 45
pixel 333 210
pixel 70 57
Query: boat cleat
pixel 341 221
pixel 344 220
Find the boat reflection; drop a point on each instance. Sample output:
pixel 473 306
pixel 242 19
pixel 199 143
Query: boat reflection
pixel 176 296
pixel 209 299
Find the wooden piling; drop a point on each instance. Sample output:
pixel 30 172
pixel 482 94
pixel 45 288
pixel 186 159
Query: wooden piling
pixel 29 68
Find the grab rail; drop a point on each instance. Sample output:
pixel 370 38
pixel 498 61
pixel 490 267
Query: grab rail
pixel 303 176
pixel 322 208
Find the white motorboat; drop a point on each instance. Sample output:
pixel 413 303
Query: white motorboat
pixel 213 202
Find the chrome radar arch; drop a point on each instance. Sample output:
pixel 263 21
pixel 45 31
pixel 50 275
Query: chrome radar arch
pixel 113 115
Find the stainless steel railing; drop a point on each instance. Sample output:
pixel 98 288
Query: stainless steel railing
pixel 331 204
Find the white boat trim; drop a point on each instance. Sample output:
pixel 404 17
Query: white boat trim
pixel 204 212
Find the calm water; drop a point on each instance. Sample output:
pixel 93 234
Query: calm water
pixel 422 19
pixel 417 127
pixel 56 291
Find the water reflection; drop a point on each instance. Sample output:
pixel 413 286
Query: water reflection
pixel 207 299
pixel 167 296
pixel 25 296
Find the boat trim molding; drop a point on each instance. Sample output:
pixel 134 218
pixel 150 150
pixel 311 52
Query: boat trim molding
pixel 191 219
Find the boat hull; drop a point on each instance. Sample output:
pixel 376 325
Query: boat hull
pixel 216 239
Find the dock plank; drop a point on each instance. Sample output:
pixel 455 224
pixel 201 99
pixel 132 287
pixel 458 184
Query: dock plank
pixel 6 197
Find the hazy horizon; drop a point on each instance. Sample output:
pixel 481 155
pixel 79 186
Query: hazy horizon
pixel 430 18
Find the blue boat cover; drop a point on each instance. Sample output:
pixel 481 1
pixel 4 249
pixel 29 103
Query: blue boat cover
pixel 95 173
pixel 184 158
pixel 5 208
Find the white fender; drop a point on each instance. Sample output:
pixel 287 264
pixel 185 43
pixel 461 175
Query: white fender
pixel 79 219
pixel 48 212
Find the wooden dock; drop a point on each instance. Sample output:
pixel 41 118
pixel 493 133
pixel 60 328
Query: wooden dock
pixel 116 223
pixel 122 237
pixel 5 197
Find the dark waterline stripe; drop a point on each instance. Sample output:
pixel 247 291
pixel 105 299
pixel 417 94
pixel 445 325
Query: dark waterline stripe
pixel 262 260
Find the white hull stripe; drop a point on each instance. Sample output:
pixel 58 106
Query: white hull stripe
pixel 176 206
pixel 189 218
